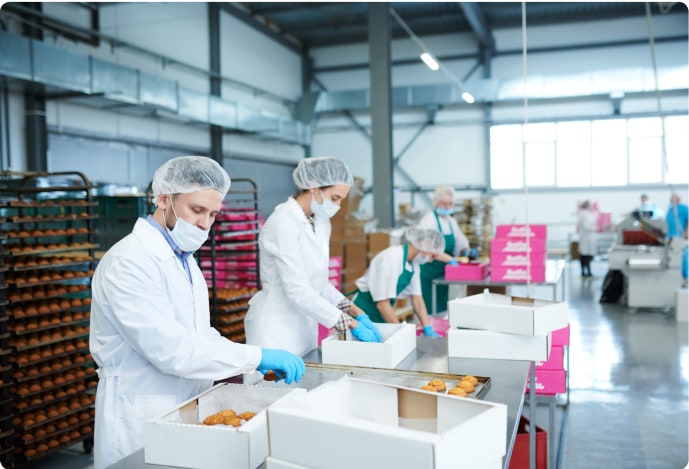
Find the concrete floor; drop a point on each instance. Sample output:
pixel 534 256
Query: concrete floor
pixel 628 388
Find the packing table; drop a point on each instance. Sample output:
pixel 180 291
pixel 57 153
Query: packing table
pixel 508 380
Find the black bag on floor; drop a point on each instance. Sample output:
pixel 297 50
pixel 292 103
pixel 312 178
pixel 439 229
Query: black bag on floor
pixel 613 287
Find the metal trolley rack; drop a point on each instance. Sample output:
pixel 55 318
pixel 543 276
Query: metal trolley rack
pixel 47 259
pixel 229 260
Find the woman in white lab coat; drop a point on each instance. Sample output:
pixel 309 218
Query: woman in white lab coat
pixel 586 223
pixel 294 253
pixel 150 323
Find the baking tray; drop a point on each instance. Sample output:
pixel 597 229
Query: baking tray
pixel 317 373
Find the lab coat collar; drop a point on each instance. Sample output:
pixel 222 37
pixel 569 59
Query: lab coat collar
pixel 153 239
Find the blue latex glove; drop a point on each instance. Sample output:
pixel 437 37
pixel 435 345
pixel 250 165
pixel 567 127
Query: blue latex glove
pixel 366 321
pixel 364 334
pixel 453 262
pixel 429 332
pixel 472 254
pixel 285 364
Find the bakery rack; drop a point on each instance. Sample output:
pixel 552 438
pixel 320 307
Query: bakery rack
pixel 47 259
pixel 229 260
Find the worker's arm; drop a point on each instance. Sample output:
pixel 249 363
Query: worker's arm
pixel 420 310
pixel 387 311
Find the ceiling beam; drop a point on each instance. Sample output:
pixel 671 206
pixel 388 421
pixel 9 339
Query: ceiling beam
pixel 478 24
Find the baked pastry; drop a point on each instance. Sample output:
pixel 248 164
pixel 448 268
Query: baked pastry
pixel 214 419
pixel 428 387
pixel 438 384
pixel 457 392
pixel 466 385
pixel 471 379
pixel 248 415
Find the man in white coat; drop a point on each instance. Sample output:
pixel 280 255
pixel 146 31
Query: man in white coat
pixel 150 320
pixel 587 237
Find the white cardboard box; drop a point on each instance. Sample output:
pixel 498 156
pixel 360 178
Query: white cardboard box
pixel 272 463
pixel 511 314
pixel 472 343
pixel 177 438
pixel 356 423
pixel 398 341
pixel 682 306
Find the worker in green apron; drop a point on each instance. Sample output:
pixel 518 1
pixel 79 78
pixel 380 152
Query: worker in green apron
pixel 456 244
pixel 394 273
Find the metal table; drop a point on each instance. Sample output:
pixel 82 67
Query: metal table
pixel 554 277
pixel 508 380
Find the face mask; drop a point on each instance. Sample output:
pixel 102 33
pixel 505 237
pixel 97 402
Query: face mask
pixel 445 212
pixel 421 259
pixel 188 237
pixel 327 209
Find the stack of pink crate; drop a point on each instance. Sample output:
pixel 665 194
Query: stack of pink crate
pixel 551 375
pixel 518 253
pixel 335 272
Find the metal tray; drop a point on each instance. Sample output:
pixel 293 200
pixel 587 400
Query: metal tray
pixel 317 373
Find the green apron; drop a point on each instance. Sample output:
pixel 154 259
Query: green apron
pixel 364 300
pixel 434 270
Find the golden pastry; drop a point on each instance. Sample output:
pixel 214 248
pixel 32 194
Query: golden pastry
pixel 214 419
pixel 457 392
pixel 471 379
pixel 466 385
pixel 247 415
pixel 438 384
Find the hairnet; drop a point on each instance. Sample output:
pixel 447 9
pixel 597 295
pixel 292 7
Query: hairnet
pixel 443 191
pixel 321 172
pixel 185 174
pixel 425 240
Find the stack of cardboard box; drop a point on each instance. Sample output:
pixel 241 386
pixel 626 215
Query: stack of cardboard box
pixel 518 253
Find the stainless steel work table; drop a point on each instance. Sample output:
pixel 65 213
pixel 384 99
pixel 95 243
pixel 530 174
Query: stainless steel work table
pixel 508 381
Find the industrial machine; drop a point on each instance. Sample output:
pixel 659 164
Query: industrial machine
pixel 650 261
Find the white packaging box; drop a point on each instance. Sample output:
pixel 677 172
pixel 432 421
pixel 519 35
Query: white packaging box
pixel 398 341
pixel 511 314
pixel 177 438
pixel 356 423
pixel 472 343
pixel 272 463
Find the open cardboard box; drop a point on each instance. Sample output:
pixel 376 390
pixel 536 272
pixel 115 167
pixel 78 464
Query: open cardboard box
pixel 178 439
pixel 510 314
pixel 358 423
pixel 398 341
pixel 472 343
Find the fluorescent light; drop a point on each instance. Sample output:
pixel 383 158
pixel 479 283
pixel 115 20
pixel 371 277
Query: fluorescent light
pixel 466 96
pixel 429 61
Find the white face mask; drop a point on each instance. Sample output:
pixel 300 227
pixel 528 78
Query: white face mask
pixel 421 259
pixel 328 208
pixel 188 237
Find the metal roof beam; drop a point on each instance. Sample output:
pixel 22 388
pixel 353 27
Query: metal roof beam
pixel 478 24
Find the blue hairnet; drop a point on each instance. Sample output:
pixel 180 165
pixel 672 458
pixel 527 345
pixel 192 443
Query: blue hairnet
pixel 185 174
pixel 323 171
pixel 425 240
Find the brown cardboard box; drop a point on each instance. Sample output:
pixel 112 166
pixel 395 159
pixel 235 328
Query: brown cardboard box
pixel 337 248
pixel 355 255
pixel 377 241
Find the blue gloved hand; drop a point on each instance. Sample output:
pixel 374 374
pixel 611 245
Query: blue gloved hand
pixel 366 321
pixel 364 334
pixel 429 332
pixel 472 254
pixel 285 364
pixel 453 262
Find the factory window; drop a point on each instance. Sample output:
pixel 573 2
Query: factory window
pixel 612 152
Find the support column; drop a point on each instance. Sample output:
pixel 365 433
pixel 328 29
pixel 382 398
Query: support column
pixel 36 129
pixel 379 33
pixel 216 133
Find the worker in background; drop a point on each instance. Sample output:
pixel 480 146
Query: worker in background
pixel 586 222
pixel 294 256
pixel 648 207
pixel 150 333
pixel 456 244
pixel 676 218
pixel 394 273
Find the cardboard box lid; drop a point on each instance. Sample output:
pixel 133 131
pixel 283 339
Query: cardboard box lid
pixel 398 341
pixel 510 314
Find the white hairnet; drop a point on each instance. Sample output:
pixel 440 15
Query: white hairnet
pixel 323 171
pixel 443 191
pixel 425 240
pixel 185 174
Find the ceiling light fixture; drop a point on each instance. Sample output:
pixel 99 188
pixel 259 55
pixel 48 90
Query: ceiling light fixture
pixel 428 58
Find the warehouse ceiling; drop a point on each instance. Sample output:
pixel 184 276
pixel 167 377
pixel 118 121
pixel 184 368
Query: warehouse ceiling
pixel 318 24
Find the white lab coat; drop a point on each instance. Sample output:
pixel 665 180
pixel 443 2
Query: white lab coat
pixel 381 276
pixel 449 225
pixel 296 294
pixel 587 232
pixel 152 340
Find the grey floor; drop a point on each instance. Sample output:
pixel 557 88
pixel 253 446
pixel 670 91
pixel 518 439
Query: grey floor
pixel 628 388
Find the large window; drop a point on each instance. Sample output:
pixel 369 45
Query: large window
pixel 612 152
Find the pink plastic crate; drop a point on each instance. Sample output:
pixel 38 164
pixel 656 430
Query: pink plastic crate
pixel 548 382
pixel 517 245
pixel 518 274
pixel 561 336
pixel 521 231
pixel 555 362
pixel 517 259
pixel 469 271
